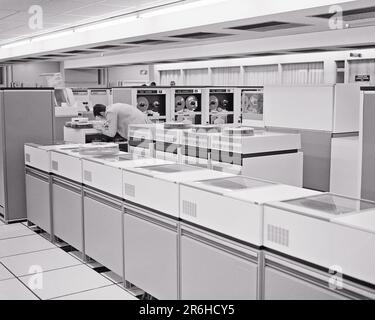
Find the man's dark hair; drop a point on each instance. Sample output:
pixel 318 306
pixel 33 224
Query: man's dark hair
pixel 98 108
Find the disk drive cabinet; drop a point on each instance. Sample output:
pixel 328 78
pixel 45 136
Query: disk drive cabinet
pixel 364 168
pixel 66 167
pixel 141 139
pixel 151 252
pixel 334 233
pixel 103 212
pixel 150 226
pixel 213 267
pixel 196 144
pixel 38 184
pixel 233 208
pixel 26 115
pixel 321 114
pixel 103 229
pixel 168 140
pixel 273 156
pixel 287 279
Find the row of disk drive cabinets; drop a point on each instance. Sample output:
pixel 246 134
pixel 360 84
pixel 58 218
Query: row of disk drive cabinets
pixel 143 232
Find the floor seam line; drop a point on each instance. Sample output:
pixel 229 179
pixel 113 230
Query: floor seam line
pixel 19 280
pixel 19 254
pixel 70 294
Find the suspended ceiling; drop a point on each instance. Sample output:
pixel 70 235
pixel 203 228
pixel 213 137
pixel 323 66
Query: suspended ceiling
pixel 277 28
pixel 58 14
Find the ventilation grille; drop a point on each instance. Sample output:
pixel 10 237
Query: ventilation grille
pixel 150 42
pixel 269 26
pixel 87 175
pixel 28 157
pixel 265 54
pixel 201 35
pixel 312 50
pixel 35 58
pixel 130 190
pixel 189 208
pixel 54 55
pixel 111 47
pixel 105 47
pixel 17 61
pixel 351 15
pixel 278 235
pixel 55 165
pixel 78 52
pixel 363 46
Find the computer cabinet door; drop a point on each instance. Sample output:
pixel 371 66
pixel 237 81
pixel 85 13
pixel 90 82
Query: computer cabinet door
pixel 103 232
pixel 67 213
pixel 211 273
pixel 38 200
pixel 150 247
pixel 282 286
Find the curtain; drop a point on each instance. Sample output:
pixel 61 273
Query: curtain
pixel 362 67
pixel 226 76
pixel 303 73
pixel 166 76
pixel 261 75
pixel 196 77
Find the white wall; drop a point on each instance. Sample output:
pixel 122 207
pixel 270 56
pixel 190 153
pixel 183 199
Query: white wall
pixel 29 73
pixel 129 75
pixel 81 78
pixel 269 69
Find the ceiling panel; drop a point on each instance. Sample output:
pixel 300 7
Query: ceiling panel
pixel 93 11
pixel 63 13
pixel 6 13
pixel 20 5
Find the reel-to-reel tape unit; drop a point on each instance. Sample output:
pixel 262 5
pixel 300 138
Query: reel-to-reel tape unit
pixel 187 105
pixel 221 105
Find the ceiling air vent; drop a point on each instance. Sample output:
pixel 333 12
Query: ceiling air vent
pixel 196 59
pixel 265 54
pixel 36 58
pixel 312 50
pixel 269 26
pixel 55 55
pixel 17 61
pixel 78 52
pixel 151 42
pixel 226 57
pixel 351 15
pixel 109 47
pixel 364 46
pixel 163 61
pixel 201 35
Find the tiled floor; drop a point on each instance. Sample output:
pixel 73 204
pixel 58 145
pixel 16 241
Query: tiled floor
pixel 33 268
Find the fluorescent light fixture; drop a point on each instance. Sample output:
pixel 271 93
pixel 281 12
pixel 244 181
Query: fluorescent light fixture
pixel 16 44
pixel 52 35
pixel 179 7
pixel 99 25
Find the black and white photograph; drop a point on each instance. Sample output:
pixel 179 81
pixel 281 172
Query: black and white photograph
pixel 188 158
